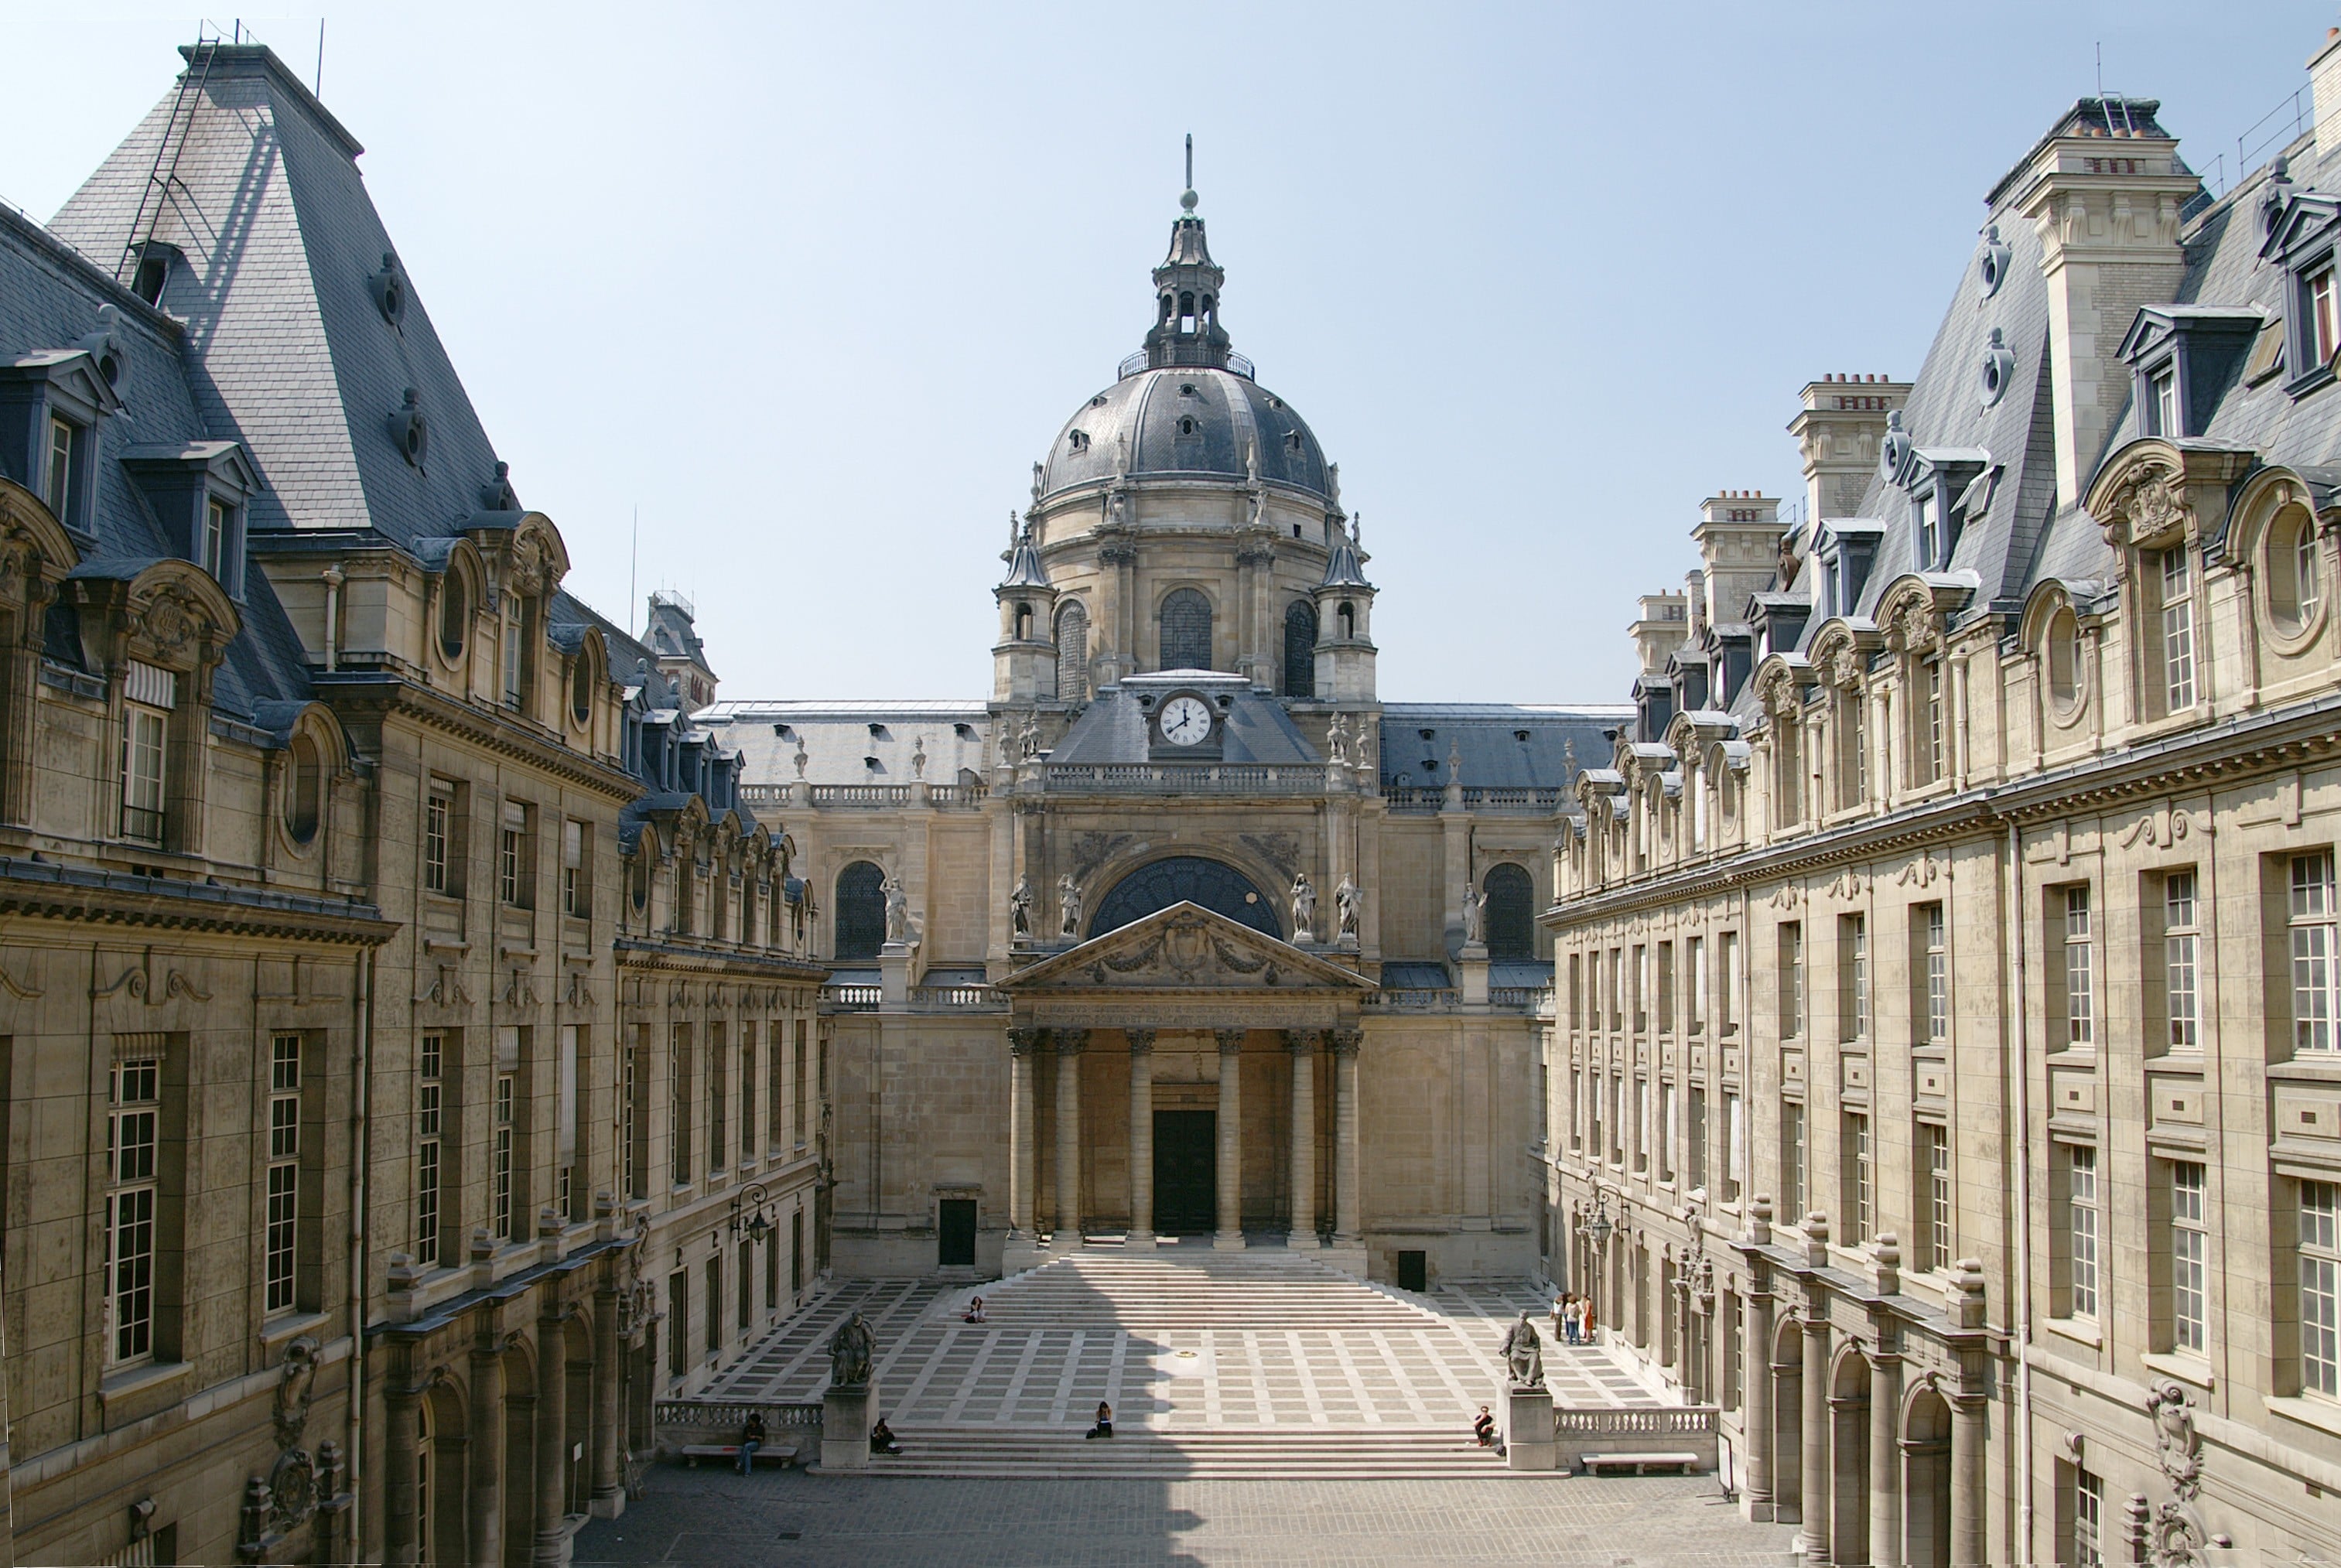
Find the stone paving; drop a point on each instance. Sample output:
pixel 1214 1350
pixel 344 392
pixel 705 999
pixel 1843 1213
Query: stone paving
pixel 720 1519
pixel 1260 1339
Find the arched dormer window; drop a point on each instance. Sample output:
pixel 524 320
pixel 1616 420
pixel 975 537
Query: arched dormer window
pixel 1186 630
pixel 1023 622
pixel 519 650
pixel 861 912
pixel 1510 913
pixel 305 789
pixel 455 612
pixel 1301 649
pixel 1073 652
pixel 1347 615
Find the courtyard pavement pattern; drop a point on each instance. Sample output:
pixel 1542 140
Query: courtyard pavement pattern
pixel 1180 1342
pixel 717 1518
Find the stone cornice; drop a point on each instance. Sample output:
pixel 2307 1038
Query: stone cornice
pixel 381 697
pixel 37 890
pixel 644 953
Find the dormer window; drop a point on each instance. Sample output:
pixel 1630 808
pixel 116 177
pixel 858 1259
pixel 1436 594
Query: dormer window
pixel 65 467
pixel 2322 329
pixel 2163 404
pixel 219 523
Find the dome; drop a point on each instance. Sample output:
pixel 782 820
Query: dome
pixel 1186 422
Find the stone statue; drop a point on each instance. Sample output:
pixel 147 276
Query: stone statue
pixel 1304 907
pixel 1252 464
pixel 1030 736
pixel 1019 910
pixel 1524 1351
pixel 898 911
pixel 1337 739
pixel 919 757
pixel 1036 484
pixel 851 1350
pixel 1346 900
pixel 1069 905
pixel 1333 484
pixel 802 757
pixel 1475 916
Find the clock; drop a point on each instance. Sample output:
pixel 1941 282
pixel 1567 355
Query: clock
pixel 1186 722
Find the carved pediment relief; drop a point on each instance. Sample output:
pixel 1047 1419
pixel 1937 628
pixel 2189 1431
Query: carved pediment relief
pixel 1185 947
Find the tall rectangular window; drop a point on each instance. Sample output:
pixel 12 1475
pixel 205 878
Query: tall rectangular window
pixel 1595 1103
pixel 1727 992
pixel 715 1302
pixel 2320 1288
pixel 438 821
pixel 1617 989
pixel 149 695
pixel 2180 937
pixel 1735 1147
pixel 1853 976
pixel 2177 631
pixel 2315 977
pixel 678 1323
pixel 512 855
pixel 776 1097
pixel 1696 1141
pixel 679 1090
pixel 1641 1124
pixel 1936 974
pixel 2080 970
pixel 2191 1258
pixel 1928 749
pixel 566 1199
pixel 500 1161
pixel 798 1103
pixel 1576 1107
pixel 1793 1201
pixel 216 521
pixel 2324 318
pixel 1670 1128
pixel 1792 979
pixel 634 1155
pixel 65 450
pixel 1641 988
pixel 2165 405
pixel 719 1075
pixel 575 898
pixel 1935 1146
pixel 1576 992
pixel 1695 977
pixel 2081 1221
pixel 1860 1195
pixel 1666 988
pixel 747 1092
pixel 429 1113
pixel 2088 1520
pixel 133 1141
pixel 282 1248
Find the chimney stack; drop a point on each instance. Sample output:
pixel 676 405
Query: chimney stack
pixel 1837 431
pixel 2325 83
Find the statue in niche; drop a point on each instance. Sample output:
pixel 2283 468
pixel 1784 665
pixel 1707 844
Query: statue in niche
pixel 1019 910
pixel 1475 916
pixel 1304 907
pixel 1523 1351
pixel 852 1349
pixel 1069 907
pixel 1345 900
pixel 898 911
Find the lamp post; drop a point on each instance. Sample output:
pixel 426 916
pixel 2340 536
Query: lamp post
pixel 752 1199
pixel 1597 1231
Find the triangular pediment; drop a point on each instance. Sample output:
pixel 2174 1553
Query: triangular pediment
pixel 1186 948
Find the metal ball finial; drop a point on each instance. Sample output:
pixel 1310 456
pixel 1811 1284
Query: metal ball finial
pixel 1188 199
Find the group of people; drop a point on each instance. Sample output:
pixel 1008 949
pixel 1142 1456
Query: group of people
pixel 1572 1318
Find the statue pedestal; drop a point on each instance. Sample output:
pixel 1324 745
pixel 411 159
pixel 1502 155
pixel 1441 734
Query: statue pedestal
pixel 1529 1442
pixel 847 1414
pixel 894 973
pixel 1471 970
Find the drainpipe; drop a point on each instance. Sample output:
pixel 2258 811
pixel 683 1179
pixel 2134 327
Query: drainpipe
pixel 2023 1198
pixel 334 580
pixel 360 1136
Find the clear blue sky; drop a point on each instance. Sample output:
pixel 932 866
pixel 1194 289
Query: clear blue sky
pixel 1541 277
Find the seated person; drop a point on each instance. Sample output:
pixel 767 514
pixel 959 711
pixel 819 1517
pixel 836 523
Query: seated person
pixel 1104 1427
pixel 882 1440
pixel 974 1313
pixel 1484 1428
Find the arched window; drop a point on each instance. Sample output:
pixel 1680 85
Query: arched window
pixel 303 786
pixel 1301 649
pixel 1186 630
pixel 861 911
pixel 1512 913
pixel 1190 879
pixel 1349 617
pixel 1023 622
pixel 1073 653
pixel 454 613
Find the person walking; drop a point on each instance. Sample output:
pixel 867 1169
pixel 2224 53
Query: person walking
pixel 752 1438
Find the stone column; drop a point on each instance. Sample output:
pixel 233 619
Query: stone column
pixel 1141 1140
pixel 1885 1460
pixel 1229 1236
pixel 1347 1226
pixel 1757 1400
pixel 402 1439
pixel 609 1479
pixel 1303 1044
pixel 1022 1044
pixel 551 1435
pixel 1968 1509
pixel 1813 1530
pixel 485 1510
pixel 1069 1044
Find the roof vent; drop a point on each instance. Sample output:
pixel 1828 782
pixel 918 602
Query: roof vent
pixel 1520 735
pixel 871 763
pixel 411 431
pixel 1425 734
pixel 1187 425
pixel 389 289
pixel 1991 267
pixel 1187 388
pixel 1998 369
pixel 1292 441
pixel 878 732
pixel 965 731
pixel 781 730
pixel 1098 401
pixel 103 347
pixel 1078 440
pixel 497 494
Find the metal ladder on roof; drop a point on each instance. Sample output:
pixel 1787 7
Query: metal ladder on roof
pixel 165 172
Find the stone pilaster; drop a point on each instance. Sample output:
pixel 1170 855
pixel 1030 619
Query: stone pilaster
pixel 1884 1456
pixel 609 1498
pixel 1230 1234
pixel 551 1436
pixel 485 1465
pixel 1302 1044
pixel 1347 1226
pixel 1813 1528
pixel 401 1438
pixel 1141 1140
pixel 1070 1044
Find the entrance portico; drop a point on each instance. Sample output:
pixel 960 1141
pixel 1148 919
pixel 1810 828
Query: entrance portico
pixel 1239 1053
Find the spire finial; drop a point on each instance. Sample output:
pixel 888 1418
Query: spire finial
pixel 1188 198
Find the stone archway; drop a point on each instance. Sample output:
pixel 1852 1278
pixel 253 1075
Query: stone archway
pixel 1787 1373
pixel 1926 1480
pixel 1849 1459
pixel 1213 885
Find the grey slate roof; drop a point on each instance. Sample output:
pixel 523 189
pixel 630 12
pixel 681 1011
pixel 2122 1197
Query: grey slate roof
pixel 840 739
pixel 1228 411
pixel 1115 728
pixel 1499 745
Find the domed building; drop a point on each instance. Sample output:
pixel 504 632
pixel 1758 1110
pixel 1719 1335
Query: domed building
pixel 1182 937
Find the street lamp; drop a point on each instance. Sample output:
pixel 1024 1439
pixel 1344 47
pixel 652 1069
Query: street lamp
pixel 1597 1231
pixel 751 1196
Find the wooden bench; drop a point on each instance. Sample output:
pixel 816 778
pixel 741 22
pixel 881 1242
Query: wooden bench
pixel 1638 1464
pixel 780 1453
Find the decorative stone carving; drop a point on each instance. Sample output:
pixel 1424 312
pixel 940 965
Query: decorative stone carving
pixel 898 910
pixel 1523 1351
pixel 1069 907
pixel 1337 739
pixel 296 1384
pixel 2179 1445
pixel 1019 910
pixel 1475 916
pixel 851 1350
pixel 1304 908
pixel 1281 850
pixel 1346 902
pixel 1092 850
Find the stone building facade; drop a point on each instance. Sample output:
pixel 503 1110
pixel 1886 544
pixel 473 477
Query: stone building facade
pixel 1942 1075
pixel 410 1052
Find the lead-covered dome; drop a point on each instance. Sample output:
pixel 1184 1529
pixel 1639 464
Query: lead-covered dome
pixel 1186 405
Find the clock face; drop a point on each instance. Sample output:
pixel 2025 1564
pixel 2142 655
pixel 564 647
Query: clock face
pixel 1186 722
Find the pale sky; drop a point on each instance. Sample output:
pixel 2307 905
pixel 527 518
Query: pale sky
pixel 1539 277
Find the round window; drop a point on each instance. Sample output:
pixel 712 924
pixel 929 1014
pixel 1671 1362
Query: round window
pixel 2294 575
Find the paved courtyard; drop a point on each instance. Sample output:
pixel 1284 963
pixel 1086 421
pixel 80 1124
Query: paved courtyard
pixel 719 1519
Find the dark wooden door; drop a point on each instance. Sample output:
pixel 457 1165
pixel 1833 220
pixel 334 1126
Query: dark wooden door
pixel 1414 1270
pixel 955 1232
pixel 1186 1151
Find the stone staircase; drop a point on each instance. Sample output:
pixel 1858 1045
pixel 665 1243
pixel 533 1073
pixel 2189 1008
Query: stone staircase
pixel 1330 1454
pixel 1171 1292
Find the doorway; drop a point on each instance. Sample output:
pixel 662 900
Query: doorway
pixel 955 1232
pixel 1186 1170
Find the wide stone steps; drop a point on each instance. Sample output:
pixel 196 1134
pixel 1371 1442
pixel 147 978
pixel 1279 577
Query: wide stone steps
pixel 1231 1453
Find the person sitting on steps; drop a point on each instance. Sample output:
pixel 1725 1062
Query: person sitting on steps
pixel 881 1439
pixel 1483 1428
pixel 1104 1427
pixel 974 1313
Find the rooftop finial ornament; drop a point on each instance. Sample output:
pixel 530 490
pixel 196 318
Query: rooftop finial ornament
pixel 1187 198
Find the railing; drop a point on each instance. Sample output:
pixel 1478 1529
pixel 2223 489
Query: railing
pixel 958 997
pixel 862 794
pixel 1635 1421
pixel 1185 778
pixel 764 794
pixel 1412 1001
pixel 866 796
pixel 1433 798
pixel 731 1413
pixel 852 999
pixel 1237 364
pixel 1522 997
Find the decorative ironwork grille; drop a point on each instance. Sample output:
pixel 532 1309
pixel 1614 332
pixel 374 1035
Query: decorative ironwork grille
pixel 1216 886
pixel 860 911
pixel 1186 630
pixel 1301 649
